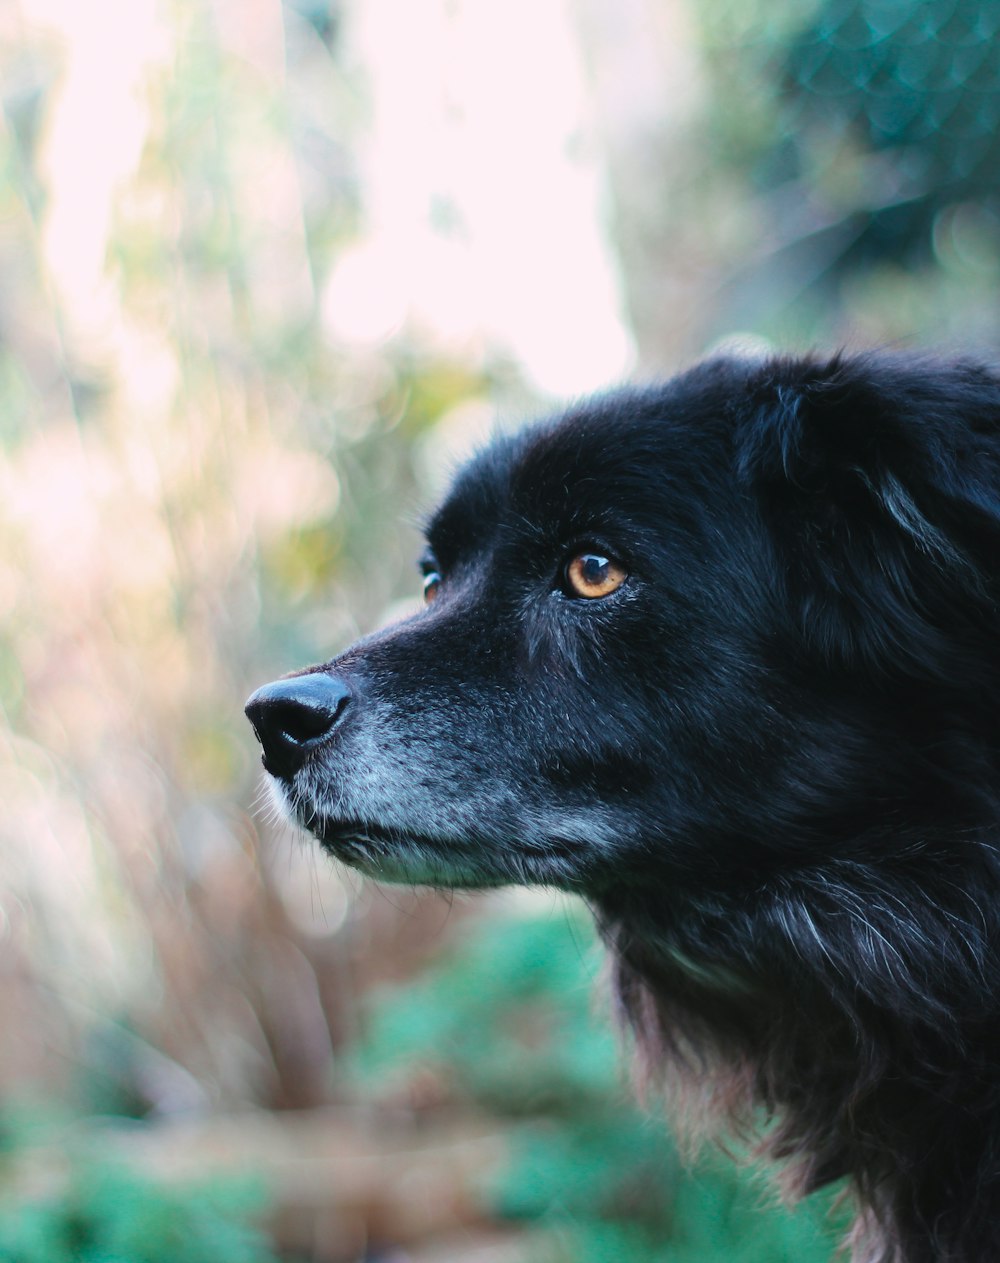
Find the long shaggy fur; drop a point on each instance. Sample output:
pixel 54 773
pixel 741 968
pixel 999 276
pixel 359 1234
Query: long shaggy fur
pixel 770 761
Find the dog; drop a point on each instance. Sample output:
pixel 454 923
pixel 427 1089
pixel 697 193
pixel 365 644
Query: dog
pixel 722 656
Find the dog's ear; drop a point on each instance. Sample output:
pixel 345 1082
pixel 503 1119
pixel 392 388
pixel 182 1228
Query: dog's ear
pixel 879 482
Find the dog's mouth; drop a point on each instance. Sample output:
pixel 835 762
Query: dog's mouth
pixel 398 855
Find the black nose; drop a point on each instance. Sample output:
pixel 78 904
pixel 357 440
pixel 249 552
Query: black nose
pixel 293 716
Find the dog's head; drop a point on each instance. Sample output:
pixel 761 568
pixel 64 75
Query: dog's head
pixel 724 657
pixel 687 634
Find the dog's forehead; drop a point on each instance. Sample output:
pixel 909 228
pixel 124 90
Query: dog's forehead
pixel 535 480
pixel 594 462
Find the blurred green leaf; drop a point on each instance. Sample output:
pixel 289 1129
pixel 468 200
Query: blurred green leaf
pixel 106 1213
pixel 508 1019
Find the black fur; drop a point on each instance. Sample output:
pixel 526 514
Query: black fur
pixel 769 760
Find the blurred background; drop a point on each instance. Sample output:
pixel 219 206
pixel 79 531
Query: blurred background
pixel 268 268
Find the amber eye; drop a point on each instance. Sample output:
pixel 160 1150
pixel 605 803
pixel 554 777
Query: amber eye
pixel 432 581
pixel 590 575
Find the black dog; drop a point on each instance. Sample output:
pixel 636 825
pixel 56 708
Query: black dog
pixel 723 656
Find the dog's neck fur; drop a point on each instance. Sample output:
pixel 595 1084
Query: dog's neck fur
pixel 870 1078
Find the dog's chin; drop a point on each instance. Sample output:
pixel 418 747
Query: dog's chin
pixel 398 858
pixel 385 854
pixel 397 854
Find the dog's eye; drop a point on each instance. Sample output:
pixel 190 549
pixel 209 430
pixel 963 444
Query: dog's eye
pixel 432 581
pixel 590 575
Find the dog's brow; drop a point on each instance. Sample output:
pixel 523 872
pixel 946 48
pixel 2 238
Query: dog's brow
pixel 440 543
pixel 457 529
pixel 477 503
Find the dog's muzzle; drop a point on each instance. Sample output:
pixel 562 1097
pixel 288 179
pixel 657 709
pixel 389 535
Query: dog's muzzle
pixel 293 716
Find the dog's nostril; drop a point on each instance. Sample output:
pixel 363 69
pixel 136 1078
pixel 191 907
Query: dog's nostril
pixel 292 716
pixel 300 722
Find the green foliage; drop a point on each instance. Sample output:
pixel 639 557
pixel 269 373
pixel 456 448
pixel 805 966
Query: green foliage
pixel 508 1016
pixel 843 169
pixel 90 1209
pixel 507 1020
